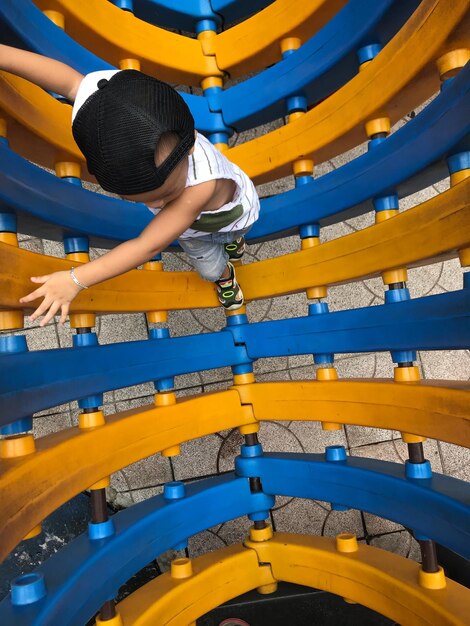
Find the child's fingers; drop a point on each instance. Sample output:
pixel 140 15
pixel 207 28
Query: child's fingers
pixel 65 312
pixel 42 308
pixel 40 279
pixel 55 306
pixel 34 295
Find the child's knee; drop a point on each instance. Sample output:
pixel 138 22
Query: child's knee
pixel 210 273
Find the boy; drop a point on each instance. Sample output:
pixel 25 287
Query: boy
pixel 138 138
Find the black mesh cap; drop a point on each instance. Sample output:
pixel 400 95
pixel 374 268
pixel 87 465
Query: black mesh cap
pixel 119 125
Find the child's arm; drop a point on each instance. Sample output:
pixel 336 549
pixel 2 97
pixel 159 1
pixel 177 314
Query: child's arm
pixel 47 73
pixel 58 289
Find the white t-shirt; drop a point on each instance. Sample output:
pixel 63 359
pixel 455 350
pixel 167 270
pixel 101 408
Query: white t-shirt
pixel 205 163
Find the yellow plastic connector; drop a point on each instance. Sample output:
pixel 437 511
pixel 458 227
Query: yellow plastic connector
pixel 327 373
pixel 56 17
pixel 450 63
pixel 181 568
pixel 207 41
pixel 101 484
pixel 346 543
pixel 382 216
pixel 432 580
pixel 171 451
pixel 244 379
pixel 34 532
pixel 212 81
pixel 406 374
pixel 261 534
pixel 17 446
pixel 295 116
pixel 290 43
pixel 248 429
pixel 303 167
pixel 395 276
pixel 458 177
pixel 267 589
pixel 67 169
pixel 91 420
pixel 11 320
pixel 129 64
pixel 165 398
pixel 379 125
pixel 410 438
pixel 10 238
pixel 464 256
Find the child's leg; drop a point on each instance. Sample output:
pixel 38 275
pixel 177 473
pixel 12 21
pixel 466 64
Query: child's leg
pixel 211 262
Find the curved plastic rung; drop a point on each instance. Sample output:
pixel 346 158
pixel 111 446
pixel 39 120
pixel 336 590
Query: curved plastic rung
pixel 437 411
pixel 337 123
pixel 114 34
pixel 372 577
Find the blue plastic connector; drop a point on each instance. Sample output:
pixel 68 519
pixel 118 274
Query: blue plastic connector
pixel 335 453
pixel 159 333
pixel 213 98
pixel 309 230
pixel 8 223
pixel 83 340
pixel 458 162
pixel 219 137
pixel 18 426
pixel 27 589
pixel 174 490
pixel 375 142
pixel 386 203
pixel 296 103
pixel 367 53
pixel 76 244
pixel 403 356
pixel 300 181
pixel 15 344
pixel 244 368
pixel 236 320
pixel 204 25
pixel 249 452
pixel 72 180
pixel 397 295
pixel 101 530
pixel 125 5
pixel 418 470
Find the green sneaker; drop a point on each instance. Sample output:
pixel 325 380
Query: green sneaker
pixel 228 291
pixel 236 249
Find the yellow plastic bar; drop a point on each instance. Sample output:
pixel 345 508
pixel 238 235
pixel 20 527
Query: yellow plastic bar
pixel 58 469
pixel 33 486
pixel 403 76
pixel 254 43
pixel 399 79
pixel 434 229
pixel 435 409
pixel 216 577
pixel 113 35
pixel 384 582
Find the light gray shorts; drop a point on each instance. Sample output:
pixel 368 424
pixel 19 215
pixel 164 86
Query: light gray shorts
pixel 207 252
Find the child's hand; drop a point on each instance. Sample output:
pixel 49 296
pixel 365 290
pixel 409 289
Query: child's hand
pixel 58 290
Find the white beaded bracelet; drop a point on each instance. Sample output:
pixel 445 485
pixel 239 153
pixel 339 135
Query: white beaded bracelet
pixel 75 279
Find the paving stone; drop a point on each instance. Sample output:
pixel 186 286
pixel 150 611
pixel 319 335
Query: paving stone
pixel 401 543
pixel 446 365
pixel 455 460
pixel 343 522
pixel 301 516
pixel 198 458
